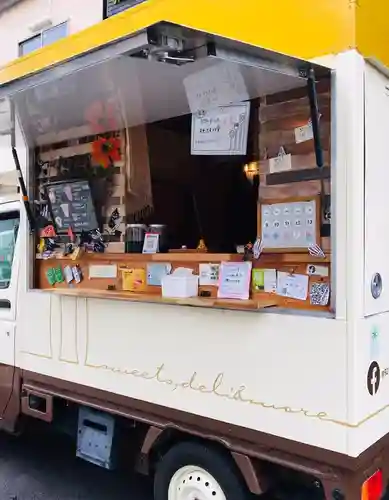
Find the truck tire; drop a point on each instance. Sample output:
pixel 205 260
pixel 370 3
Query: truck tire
pixel 192 470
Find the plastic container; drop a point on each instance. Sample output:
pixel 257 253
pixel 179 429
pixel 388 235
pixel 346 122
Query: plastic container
pixel 180 286
pixel 135 237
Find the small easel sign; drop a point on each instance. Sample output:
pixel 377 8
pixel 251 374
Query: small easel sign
pixel 151 243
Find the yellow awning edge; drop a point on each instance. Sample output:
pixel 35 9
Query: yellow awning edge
pixel 298 28
pixel 372 30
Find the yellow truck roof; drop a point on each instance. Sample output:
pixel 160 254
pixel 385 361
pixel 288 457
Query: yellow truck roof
pixel 299 28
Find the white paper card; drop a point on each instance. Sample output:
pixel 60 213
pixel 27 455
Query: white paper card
pixel 280 163
pixel 151 243
pixel 234 280
pixel 103 271
pixel 209 274
pixel 68 274
pixel 270 280
pixel 314 270
pixel 304 133
pixel 294 286
pixel 216 86
pixel 221 131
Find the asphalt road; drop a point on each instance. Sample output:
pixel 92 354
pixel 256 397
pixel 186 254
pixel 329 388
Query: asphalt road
pixel 43 467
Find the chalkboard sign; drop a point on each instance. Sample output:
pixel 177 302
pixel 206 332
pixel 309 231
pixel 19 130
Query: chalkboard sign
pixel 71 205
pixel 112 7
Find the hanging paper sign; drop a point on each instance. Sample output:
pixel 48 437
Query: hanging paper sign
pixel 281 162
pixel 219 85
pixel 221 131
pixel 304 133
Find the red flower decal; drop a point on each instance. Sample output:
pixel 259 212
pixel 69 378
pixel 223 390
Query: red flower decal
pixel 105 152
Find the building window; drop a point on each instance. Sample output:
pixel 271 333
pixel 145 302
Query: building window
pixel 112 7
pixel 46 37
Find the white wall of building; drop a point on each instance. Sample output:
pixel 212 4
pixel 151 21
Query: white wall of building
pixel 17 21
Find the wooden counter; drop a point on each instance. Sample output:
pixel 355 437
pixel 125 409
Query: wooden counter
pixel 193 257
pixel 156 257
pixel 112 288
pixel 244 305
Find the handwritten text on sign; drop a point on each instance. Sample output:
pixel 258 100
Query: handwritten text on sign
pixel 221 131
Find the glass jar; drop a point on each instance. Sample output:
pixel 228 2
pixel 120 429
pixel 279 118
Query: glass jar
pixel 135 237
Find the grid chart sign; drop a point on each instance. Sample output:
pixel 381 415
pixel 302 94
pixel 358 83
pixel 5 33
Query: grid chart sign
pixel 290 225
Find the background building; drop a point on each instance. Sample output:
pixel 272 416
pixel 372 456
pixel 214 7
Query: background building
pixel 27 25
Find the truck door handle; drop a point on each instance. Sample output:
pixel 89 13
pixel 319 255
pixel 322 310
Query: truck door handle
pixel 5 304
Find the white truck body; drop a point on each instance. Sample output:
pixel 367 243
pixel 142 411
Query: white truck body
pixel 292 375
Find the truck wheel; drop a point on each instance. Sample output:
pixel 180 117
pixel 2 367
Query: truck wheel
pixel 194 471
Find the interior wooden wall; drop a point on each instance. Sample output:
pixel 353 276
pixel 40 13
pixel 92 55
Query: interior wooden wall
pixel 280 114
pixel 78 141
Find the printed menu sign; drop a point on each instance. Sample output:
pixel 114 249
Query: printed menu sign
pixel 112 7
pixel 71 206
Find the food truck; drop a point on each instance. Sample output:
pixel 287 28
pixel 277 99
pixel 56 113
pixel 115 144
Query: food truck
pixel 193 270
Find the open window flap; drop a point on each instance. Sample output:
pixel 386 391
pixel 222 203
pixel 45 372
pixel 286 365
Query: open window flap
pixel 149 83
pixel 135 92
pixel 8 173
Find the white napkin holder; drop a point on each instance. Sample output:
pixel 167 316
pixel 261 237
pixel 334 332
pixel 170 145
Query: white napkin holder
pixel 182 283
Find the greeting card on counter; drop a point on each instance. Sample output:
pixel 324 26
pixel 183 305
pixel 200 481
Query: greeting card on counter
pixel 264 280
pixel 156 271
pixel 294 286
pixel 134 280
pixel 209 274
pixel 234 280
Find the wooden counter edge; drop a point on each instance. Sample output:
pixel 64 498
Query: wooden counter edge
pixel 245 305
pixel 289 258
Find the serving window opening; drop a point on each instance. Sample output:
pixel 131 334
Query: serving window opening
pixel 199 176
